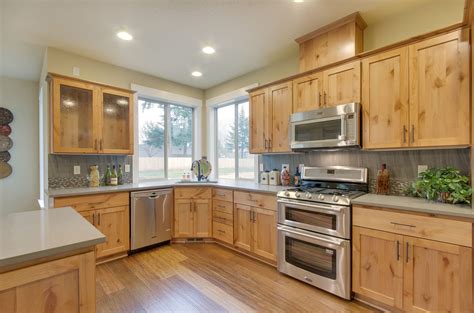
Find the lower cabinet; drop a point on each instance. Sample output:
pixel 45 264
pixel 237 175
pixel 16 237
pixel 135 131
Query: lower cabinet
pixel 410 273
pixel 192 213
pixel 109 213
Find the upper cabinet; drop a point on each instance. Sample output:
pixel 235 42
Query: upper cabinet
pixel 418 96
pixel 89 118
pixel 342 84
pixel 270 110
pixel 308 92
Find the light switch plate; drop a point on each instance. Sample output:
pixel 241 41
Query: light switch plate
pixel 422 168
pixel 77 169
pixel 76 71
pixel 127 168
pixel 285 165
pixel 261 167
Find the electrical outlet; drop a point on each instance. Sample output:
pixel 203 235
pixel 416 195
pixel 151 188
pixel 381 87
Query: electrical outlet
pixel 285 165
pixel 127 168
pixel 422 168
pixel 76 71
pixel 261 167
pixel 300 167
pixel 77 169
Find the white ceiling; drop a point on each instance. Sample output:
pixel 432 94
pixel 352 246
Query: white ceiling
pixel 169 34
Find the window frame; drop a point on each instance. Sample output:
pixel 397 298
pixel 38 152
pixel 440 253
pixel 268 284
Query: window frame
pixel 216 108
pixel 166 133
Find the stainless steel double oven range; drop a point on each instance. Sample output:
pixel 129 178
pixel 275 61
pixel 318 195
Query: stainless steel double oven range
pixel 314 227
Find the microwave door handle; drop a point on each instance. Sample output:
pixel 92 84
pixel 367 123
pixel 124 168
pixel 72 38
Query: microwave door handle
pixel 343 135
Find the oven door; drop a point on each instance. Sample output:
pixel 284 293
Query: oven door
pixel 319 260
pixel 328 219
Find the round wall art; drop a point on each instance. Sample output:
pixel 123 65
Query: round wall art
pixel 6 143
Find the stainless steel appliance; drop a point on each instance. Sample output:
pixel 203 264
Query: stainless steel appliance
pixel 333 127
pixel 151 217
pixel 314 221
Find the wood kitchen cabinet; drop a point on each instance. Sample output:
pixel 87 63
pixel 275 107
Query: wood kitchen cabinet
pixel 308 93
pixel 89 118
pixel 418 95
pixel 270 110
pixel 223 215
pixel 415 263
pixel 109 213
pixel 342 84
pixel 192 213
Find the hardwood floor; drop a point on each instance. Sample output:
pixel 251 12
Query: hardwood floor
pixel 206 278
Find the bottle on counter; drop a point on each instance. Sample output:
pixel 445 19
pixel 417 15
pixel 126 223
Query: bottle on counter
pixel 113 177
pixel 285 177
pixel 297 179
pixel 107 176
pixel 94 176
pixel 120 175
pixel 383 181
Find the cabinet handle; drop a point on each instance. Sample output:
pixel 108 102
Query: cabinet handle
pixel 404 134
pixel 400 224
pixel 269 143
pixel 220 206
pixel 100 144
pixel 95 145
pixel 98 219
pixel 325 98
pixel 398 250
pixel 319 96
pixel 408 249
pixel 265 144
pixel 412 133
pixel 93 218
pixel 221 231
pixel 251 220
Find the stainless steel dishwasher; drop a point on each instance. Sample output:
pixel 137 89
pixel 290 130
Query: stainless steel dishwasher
pixel 151 217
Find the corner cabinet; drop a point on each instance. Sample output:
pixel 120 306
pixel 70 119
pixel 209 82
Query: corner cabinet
pixel 414 263
pixel 418 95
pixel 192 212
pixel 88 118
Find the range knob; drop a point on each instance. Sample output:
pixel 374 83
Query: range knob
pixel 297 194
pixel 321 197
pixel 335 198
pixel 287 193
pixel 308 195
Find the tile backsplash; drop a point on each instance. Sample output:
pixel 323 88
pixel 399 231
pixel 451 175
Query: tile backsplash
pixel 61 168
pixel 403 165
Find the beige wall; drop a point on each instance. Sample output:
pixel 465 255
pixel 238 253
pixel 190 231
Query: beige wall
pixel 20 191
pixel 62 62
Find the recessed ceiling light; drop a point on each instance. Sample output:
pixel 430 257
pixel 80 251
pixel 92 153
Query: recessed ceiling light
pixel 298 1
pixel 124 35
pixel 208 50
pixel 196 74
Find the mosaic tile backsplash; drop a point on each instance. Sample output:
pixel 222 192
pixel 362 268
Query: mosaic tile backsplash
pixel 403 165
pixel 61 173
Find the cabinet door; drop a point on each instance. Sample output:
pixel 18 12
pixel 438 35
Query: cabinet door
pixel 202 218
pixel 183 218
pixel 242 226
pixel 89 216
pixel 114 224
pixel 377 265
pixel 439 97
pixel 307 93
pixel 280 99
pixel 342 84
pixel 117 122
pixel 437 276
pixel 259 110
pixel 75 117
pixel 385 99
pixel 264 233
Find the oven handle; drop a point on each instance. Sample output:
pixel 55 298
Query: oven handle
pixel 331 240
pixel 318 206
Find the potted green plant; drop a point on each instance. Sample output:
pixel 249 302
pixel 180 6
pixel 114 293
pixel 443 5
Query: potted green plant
pixel 442 184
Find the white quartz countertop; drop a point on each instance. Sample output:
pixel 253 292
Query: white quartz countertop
pixel 30 235
pixel 232 184
pixel 416 205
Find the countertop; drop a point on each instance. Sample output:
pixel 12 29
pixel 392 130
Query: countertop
pixel 415 205
pixel 232 184
pixel 30 235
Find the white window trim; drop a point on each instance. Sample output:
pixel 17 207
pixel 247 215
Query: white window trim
pixel 211 105
pixel 169 97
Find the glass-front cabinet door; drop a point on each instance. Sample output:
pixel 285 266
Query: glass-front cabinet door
pixel 74 117
pixel 116 116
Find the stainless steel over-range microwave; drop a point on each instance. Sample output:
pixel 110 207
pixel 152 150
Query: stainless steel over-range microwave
pixel 334 127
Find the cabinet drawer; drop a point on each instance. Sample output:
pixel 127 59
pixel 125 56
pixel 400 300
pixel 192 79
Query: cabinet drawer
pixel 256 200
pixel 223 206
pixel 421 226
pixel 223 194
pixel 192 193
pixel 224 218
pixel 223 232
pixel 93 202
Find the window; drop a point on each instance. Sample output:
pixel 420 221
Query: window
pixel 232 142
pixel 165 147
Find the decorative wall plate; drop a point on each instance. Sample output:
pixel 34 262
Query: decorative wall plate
pixel 5 156
pixel 5 130
pixel 5 143
pixel 5 169
pixel 6 116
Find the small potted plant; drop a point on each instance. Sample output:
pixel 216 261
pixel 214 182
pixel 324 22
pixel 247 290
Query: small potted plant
pixel 442 184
